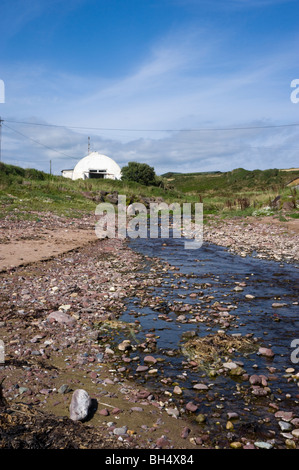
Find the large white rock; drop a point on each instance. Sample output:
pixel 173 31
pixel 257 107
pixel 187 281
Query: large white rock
pixel 80 405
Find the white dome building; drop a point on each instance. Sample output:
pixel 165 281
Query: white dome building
pixel 94 165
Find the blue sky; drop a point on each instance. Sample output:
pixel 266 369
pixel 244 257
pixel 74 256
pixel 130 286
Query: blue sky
pixel 183 85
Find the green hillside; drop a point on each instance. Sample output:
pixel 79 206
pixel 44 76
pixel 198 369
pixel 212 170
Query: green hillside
pixel 24 193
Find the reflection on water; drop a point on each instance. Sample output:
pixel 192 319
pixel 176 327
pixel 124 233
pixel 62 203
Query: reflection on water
pixel 213 274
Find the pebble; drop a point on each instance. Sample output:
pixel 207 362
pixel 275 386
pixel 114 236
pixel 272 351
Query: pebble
pixel 120 431
pixel 177 390
pixel 290 443
pixel 64 388
pixel 284 415
pixel 236 445
pixel 162 442
pixel 230 365
pixel 174 412
pixel 263 445
pixel 200 387
pixel 266 352
pixel 191 407
pixel 185 432
pixel 141 369
pixel 62 318
pixel 200 418
pixel 284 426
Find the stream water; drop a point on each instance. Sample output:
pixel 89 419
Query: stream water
pixel 213 273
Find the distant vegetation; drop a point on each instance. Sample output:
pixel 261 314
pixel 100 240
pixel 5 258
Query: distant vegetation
pixel 139 173
pixel 24 193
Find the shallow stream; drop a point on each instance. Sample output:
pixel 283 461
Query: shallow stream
pixel 212 273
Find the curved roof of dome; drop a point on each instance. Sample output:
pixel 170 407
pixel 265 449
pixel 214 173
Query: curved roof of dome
pixel 97 161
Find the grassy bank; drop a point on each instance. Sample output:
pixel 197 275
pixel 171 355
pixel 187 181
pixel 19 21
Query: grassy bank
pixel 26 192
pixel 241 192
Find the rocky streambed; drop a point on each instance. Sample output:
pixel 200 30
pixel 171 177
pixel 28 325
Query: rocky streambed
pixel 176 348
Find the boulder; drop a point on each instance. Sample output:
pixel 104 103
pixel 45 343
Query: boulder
pixel 80 405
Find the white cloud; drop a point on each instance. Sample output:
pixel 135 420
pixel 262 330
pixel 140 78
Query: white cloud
pixel 190 80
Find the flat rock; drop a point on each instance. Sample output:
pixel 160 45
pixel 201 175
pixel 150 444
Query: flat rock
pixel 200 387
pixel 150 359
pixel 191 407
pixel 61 317
pixel 141 369
pixel 266 352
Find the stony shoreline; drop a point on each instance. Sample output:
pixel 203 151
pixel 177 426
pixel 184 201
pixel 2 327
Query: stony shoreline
pixel 264 238
pixel 52 316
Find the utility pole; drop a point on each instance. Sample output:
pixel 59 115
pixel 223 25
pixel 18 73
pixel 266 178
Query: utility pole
pixel 1 120
pixel 88 145
pixel 50 167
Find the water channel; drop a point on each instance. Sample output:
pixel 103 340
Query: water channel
pixel 212 274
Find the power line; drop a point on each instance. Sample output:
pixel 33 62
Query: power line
pixel 37 142
pixel 200 129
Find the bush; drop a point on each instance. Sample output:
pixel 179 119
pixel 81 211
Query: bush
pixel 140 173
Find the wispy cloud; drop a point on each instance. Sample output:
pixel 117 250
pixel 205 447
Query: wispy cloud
pixel 192 79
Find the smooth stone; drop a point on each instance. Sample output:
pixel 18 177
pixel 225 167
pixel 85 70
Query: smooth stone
pixel 284 415
pixel 125 345
pixel 290 443
pixel 177 390
pixel 80 404
pixel 284 426
pixel 236 445
pixel 263 445
pixel 141 368
pixel 62 318
pixel 64 389
pixel 136 408
pixel 266 352
pixel 230 365
pixel 200 387
pixel 185 432
pixel 150 359
pixel 120 431
pixel 200 418
pixel 191 407
pixel 174 412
